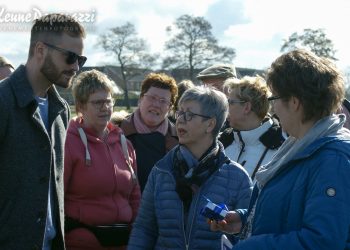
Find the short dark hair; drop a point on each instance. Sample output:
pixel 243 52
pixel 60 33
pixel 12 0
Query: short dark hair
pixel 314 80
pixel 52 26
pixel 181 88
pixel 162 81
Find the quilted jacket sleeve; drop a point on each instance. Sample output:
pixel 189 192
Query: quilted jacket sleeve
pixel 326 218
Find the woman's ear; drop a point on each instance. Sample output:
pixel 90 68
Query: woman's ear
pixel 211 125
pixel 295 103
pixel 247 107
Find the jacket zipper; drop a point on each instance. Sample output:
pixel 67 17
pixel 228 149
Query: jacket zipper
pixel 114 173
pixel 183 225
pixel 193 217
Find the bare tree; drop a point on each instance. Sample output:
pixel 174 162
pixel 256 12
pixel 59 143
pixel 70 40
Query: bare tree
pixel 193 46
pixel 314 40
pixel 130 51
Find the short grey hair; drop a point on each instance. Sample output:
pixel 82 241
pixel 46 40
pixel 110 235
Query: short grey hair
pixel 212 102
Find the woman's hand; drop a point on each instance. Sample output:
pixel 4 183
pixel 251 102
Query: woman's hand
pixel 231 224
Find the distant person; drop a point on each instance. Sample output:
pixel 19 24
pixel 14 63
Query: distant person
pixel 216 75
pixel 345 109
pixel 101 189
pixel 254 136
pixel 301 198
pixel 148 127
pixel 182 87
pixel 6 68
pixel 196 169
pixel 33 122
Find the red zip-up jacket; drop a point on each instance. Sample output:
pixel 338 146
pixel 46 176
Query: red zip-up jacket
pixel 99 193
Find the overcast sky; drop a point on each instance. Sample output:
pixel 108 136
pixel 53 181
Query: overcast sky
pixel 254 28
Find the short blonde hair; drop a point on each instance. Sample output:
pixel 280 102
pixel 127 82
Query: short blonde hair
pixel 251 89
pixel 88 82
pixel 119 116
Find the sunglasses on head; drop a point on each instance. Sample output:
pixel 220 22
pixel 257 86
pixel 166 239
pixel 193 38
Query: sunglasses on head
pixel 71 56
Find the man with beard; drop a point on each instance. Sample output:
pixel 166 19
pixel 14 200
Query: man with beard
pixel 33 122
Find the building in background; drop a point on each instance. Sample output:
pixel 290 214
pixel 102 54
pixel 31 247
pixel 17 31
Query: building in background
pixel 134 83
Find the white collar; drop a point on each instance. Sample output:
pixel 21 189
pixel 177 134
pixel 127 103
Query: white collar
pixel 251 137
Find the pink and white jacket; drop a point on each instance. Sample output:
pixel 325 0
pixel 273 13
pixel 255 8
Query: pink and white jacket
pixel 101 192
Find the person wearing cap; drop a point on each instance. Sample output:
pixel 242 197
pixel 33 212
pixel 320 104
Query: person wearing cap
pixel 216 75
pixel 6 68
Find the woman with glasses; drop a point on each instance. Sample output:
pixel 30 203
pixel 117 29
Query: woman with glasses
pixel 194 171
pixel 301 199
pixel 99 176
pixel 148 128
pixel 254 136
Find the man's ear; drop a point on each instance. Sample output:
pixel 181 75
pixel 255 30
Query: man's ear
pixel 40 51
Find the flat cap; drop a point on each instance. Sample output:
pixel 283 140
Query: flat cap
pixel 218 71
pixel 5 62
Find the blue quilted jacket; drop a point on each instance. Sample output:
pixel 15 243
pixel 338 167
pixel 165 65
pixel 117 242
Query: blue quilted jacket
pixel 160 220
pixel 307 204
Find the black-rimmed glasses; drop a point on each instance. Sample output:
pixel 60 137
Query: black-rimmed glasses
pixel 232 101
pixel 273 98
pixel 188 115
pixel 71 56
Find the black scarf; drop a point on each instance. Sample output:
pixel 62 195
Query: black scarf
pixel 188 181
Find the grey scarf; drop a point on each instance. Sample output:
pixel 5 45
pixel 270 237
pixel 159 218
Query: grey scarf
pixel 327 126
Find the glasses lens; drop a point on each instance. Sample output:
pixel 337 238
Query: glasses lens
pixel 108 103
pixel 188 116
pixel 72 58
pixel 81 61
pixel 180 113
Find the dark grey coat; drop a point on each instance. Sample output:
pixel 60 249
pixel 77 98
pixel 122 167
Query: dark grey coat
pixel 28 155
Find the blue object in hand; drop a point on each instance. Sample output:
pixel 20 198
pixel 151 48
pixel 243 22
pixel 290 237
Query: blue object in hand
pixel 214 211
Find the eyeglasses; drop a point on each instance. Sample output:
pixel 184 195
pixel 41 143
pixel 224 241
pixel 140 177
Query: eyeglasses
pixel 71 56
pixel 273 98
pixel 231 101
pixel 188 115
pixel 99 104
pixel 153 99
